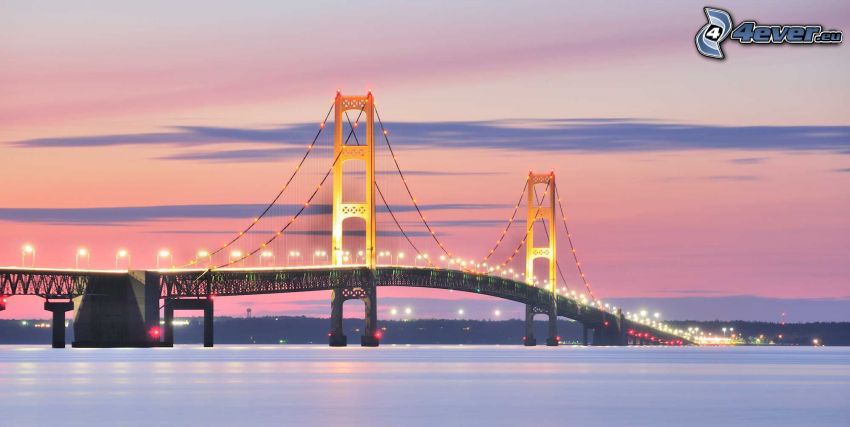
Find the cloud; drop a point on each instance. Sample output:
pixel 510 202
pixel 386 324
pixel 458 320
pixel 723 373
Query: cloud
pixel 583 135
pixel 736 178
pixel 748 160
pixel 246 155
pixel 129 214
pixel 730 178
pixel 350 233
pixel 843 170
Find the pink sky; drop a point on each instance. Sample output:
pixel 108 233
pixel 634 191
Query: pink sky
pixel 763 219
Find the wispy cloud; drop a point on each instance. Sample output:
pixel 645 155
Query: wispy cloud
pixel 590 135
pixel 129 214
pixel 842 170
pixel 712 178
pixel 748 160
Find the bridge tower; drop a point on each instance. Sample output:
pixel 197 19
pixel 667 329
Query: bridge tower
pixel 343 210
pixel 541 211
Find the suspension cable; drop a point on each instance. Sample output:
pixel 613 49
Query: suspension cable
pixel 291 220
pixel 303 207
pixel 407 187
pixel 384 200
pixel 572 247
pixel 545 229
pixel 510 222
pixel 276 198
pixel 528 229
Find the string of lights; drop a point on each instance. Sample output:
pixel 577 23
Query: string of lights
pixel 301 209
pixel 407 187
pixel 387 205
pixel 573 249
pixel 288 224
pixel 268 207
pixel 508 225
pixel 546 230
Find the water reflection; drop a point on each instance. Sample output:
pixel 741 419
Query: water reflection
pixel 426 385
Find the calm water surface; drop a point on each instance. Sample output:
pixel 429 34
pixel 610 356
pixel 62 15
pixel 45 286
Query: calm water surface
pixel 425 385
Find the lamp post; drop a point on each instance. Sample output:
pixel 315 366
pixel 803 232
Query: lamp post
pixel 235 255
pixel 399 256
pixel 121 254
pixel 28 249
pixel 82 252
pixel 164 253
pixel 385 254
pixel 203 253
pixel 293 254
pixel 268 256
pixel 319 253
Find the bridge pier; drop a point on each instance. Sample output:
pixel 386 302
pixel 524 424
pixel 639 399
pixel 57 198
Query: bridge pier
pixel 530 311
pixel 58 308
pixel 336 337
pixel 584 334
pixel 529 340
pixel 553 340
pixel 371 336
pixel 171 304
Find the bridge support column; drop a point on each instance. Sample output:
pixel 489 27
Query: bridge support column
pixel 208 324
pixel 553 340
pixel 584 334
pixel 59 309
pixel 336 337
pixel 529 340
pixel 370 337
pixel 168 326
pixel 368 294
pixel 172 304
pixel 599 336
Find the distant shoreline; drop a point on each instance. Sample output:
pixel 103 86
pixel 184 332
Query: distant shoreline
pixel 312 330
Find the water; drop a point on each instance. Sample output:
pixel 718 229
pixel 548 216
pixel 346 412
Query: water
pixel 425 385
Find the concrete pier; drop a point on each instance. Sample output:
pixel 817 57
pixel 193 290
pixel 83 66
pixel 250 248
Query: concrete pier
pixel 172 304
pixel 371 335
pixel 118 311
pixel 58 308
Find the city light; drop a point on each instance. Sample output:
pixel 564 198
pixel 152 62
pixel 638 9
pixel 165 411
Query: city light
pixel 497 312
pixel 408 311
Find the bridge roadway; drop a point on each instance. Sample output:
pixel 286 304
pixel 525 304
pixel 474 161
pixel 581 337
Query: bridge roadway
pixel 96 299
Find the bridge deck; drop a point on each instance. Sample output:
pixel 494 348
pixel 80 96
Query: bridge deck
pixel 182 283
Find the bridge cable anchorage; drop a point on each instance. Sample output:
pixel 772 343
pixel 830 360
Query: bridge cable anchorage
pixel 384 200
pixel 291 220
pixel 546 230
pixel 510 222
pixel 573 249
pixel 265 211
pixel 407 187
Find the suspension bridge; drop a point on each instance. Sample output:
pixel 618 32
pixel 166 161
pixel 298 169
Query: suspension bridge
pixel 365 243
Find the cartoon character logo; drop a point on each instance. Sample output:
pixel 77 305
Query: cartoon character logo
pixel 713 33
